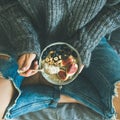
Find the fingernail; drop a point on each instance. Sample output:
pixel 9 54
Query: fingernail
pixel 24 68
pixel 36 62
pixel 19 71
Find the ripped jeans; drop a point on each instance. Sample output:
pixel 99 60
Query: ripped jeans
pixel 94 87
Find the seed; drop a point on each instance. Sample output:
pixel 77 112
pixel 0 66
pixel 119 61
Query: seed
pixel 59 61
pixel 55 63
pixel 50 59
pixel 51 62
pixel 51 52
pixel 60 57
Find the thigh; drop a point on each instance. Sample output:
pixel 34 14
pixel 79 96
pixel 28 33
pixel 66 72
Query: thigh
pixel 34 98
pixel 7 89
pixel 10 81
pixel 104 69
pixel 95 85
pixel 103 73
pixel 30 97
pixel 7 95
pixel 82 90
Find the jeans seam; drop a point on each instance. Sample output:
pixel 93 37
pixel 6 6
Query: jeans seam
pixel 32 103
pixel 88 99
pixel 107 84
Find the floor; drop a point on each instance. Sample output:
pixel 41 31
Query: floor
pixel 116 102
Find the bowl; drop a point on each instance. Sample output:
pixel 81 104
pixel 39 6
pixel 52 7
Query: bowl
pixel 60 63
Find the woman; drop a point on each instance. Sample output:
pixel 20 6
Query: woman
pixel 27 26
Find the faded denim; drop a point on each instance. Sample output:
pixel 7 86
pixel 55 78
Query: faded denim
pixel 94 87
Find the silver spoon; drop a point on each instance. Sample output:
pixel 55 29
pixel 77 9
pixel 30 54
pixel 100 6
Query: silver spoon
pixel 38 70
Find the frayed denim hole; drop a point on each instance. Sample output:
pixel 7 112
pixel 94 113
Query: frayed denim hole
pixel 4 56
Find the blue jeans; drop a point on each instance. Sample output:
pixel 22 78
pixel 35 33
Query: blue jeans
pixel 94 87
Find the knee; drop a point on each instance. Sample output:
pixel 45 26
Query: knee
pixel 4 56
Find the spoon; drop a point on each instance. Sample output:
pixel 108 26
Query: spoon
pixel 38 70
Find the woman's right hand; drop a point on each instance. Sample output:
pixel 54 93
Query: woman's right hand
pixel 27 66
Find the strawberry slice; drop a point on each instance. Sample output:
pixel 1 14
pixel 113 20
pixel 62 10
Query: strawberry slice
pixel 67 61
pixel 72 69
pixel 62 75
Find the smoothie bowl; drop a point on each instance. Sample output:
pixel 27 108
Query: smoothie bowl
pixel 60 63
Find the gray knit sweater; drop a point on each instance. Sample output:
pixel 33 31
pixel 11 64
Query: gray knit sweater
pixel 32 24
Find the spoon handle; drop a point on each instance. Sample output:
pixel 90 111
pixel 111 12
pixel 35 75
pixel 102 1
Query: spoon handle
pixel 38 70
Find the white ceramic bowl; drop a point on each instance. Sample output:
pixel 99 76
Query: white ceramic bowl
pixel 59 48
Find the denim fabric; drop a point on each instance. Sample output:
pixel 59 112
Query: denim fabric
pixel 34 98
pixel 94 87
pixel 29 98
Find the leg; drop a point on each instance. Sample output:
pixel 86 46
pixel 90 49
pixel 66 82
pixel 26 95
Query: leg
pixel 94 87
pixel 9 91
pixel 44 96
pixel 38 79
pixel 105 64
pixel 8 77
pixel 107 70
pixel 6 96
pixel 37 94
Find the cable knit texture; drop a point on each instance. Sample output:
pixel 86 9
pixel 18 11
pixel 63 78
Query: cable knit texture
pixel 82 23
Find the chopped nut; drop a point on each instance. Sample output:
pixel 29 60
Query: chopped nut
pixel 51 52
pixel 50 59
pixel 56 58
pixel 60 57
pixel 47 59
pixel 59 62
pixel 51 62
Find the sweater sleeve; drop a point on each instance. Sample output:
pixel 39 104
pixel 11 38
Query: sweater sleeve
pixel 19 30
pixel 88 37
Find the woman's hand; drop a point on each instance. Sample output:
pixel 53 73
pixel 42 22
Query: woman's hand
pixel 81 68
pixel 27 65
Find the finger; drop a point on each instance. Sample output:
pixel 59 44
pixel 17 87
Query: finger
pixel 28 62
pixel 31 71
pixel 35 65
pixel 28 73
pixel 21 61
